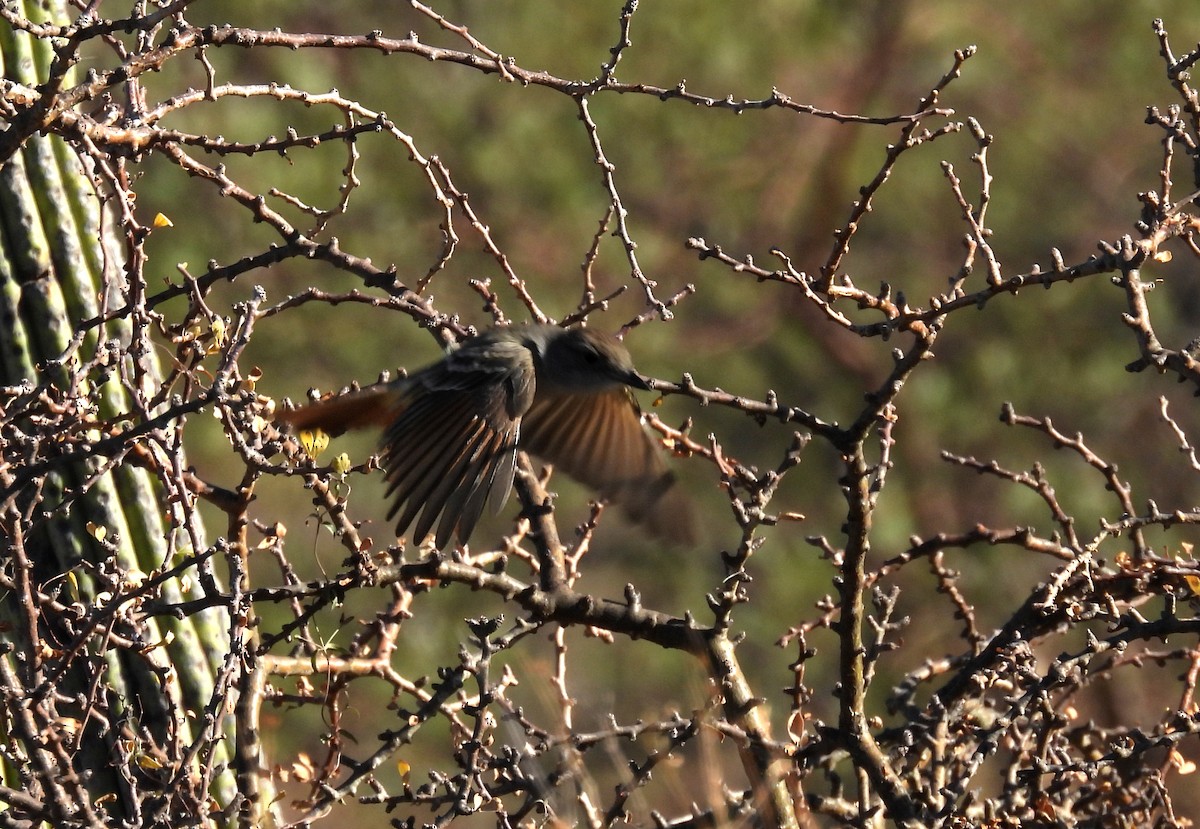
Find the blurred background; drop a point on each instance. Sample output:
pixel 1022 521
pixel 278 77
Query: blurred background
pixel 1062 88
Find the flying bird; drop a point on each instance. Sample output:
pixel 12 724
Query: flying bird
pixel 452 430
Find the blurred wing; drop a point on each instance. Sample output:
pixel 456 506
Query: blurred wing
pixel 372 406
pixel 598 439
pixel 454 440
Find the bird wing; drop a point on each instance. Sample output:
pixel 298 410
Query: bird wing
pixel 453 442
pixel 599 439
pixel 372 406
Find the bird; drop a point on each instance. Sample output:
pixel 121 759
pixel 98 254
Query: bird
pixel 452 430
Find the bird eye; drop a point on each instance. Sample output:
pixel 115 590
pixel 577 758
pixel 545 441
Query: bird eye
pixel 591 355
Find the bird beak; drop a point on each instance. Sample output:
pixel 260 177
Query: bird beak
pixel 638 381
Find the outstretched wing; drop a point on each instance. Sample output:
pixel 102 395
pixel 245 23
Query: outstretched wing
pixel 454 441
pixel 599 439
pixel 372 406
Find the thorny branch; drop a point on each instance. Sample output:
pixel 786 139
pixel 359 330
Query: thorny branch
pixel 159 742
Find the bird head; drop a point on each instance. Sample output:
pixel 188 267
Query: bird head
pixel 584 360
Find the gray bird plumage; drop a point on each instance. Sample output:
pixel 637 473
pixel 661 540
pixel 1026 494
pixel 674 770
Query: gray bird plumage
pixel 452 430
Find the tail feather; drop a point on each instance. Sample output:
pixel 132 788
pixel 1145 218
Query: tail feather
pixel 376 406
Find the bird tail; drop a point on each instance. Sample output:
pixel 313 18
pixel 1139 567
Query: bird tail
pixel 374 406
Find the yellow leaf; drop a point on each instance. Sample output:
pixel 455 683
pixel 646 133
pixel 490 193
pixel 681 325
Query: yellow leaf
pixel 303 769
pixel 217 328
pixel 1181 763
pixel 253 377
pixel 68 725
pixel 160 220
pixel 313 442
pixel 147 761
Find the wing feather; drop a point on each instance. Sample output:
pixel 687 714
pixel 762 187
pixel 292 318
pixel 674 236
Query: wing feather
pixel 372 406
pixel 599 439
pixel 458 477
pixel 452 432
pixel 452 448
